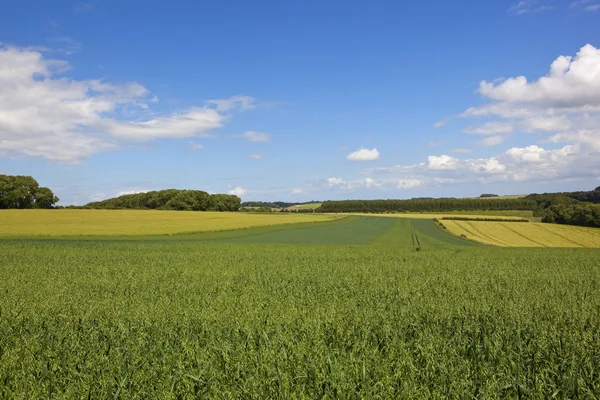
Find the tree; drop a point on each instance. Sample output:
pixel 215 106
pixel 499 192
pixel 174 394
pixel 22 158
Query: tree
pixel 21 191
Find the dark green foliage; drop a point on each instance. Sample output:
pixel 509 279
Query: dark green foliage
pixel 21 191
pixel 253 321
pixel 573 214
pixel 488 195
pixel 546 200
pixel 171 199
pixel 431 205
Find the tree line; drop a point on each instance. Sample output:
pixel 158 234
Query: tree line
pixel 171 199
pixel 571 208
pixel 574 214
pixel 433 205
pixel 20 191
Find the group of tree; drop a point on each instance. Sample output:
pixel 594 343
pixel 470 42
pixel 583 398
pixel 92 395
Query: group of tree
pixel 572 208
pixel 573 214
pixel 434 205
pixel 171 199
pixel 18 191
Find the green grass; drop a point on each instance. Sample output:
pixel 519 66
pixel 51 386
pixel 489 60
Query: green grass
pixel 169 318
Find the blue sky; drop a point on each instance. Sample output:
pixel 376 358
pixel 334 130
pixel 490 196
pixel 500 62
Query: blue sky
pixel 301 100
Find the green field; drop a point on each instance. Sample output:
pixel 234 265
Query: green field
pixel 307 206
pixel 340 309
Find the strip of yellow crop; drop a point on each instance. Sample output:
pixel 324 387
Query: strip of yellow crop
pixel 531 234
pixel 475 214
pixel 136 222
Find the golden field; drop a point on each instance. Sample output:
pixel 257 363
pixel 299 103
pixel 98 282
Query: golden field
pixel 531 234
pixel 136 222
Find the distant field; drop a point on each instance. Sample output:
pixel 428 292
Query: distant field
pixel 482 214
pixel 398 233
pixel 310 206
pixel 136 222
pixel 532 234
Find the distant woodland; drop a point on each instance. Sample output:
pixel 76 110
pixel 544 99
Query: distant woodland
pixel 171 199
pixel 424 204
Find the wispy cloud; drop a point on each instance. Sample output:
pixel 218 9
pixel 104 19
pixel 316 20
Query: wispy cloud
pixel 586 5
pixel 66 45
pixel 256 156
pixel 253 136
pixel 529 7
pixel 195 146
pixel 84 6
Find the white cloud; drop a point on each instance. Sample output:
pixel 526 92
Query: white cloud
pixel 195 146
pixel 256 156
pixel 256 137
pixel 571 82
pixel 408 183
pixel 335 181
pixel 123 193
pixel 561 107
pixel 363 154
pixel 238 191
pixel 234 103
pixel 529 7
pixel 490 128
pixel 492 140
pixel 67 120
pixel 369 183
pixel 442 162
pixel 585 5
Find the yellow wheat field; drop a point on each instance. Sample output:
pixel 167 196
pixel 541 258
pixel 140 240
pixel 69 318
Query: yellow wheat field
pixel 530 234
pixel 136 222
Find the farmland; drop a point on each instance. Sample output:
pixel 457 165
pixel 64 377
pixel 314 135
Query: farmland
pixel 134 222
pixel 509 234
pixel 256 320
pixel 343 308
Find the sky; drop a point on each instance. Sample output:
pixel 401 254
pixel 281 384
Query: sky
pixel 281 100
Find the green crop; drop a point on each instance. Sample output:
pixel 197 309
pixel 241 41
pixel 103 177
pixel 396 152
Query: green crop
pixel 169 318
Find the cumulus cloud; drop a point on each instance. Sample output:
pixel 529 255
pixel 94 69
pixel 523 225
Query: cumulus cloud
pixel 561 108
pixel 238 191
pixel 256 137
pixel 571 82
pixel 363 154
pixel 61 119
